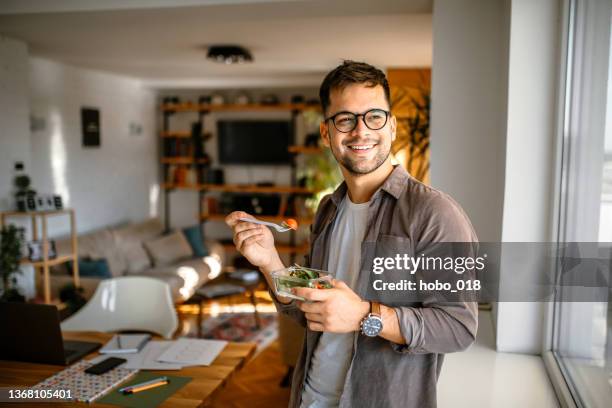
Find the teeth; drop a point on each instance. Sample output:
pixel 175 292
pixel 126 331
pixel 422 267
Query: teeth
pixel 364 147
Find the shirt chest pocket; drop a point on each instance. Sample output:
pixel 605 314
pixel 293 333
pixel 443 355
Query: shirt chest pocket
pixel 390 245
pixel 377 254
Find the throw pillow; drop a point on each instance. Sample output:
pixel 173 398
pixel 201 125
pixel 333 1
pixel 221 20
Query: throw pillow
pixel 94 268
pixel 169 249
pixel 196 240
pixel 136 257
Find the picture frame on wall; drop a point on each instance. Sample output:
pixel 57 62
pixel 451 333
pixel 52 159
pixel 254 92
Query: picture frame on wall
pixel 90 121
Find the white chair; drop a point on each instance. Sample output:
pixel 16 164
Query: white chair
pixel 127 303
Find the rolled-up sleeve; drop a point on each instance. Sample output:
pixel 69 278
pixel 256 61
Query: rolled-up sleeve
pixel 435 326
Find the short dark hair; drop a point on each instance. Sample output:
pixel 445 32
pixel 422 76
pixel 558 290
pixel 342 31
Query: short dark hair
pixel 352 72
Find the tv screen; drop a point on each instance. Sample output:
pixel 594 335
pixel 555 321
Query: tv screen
pixel 254 141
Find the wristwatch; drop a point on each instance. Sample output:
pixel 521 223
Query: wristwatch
pixel 372 324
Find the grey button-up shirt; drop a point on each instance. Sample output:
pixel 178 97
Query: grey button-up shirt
pixel 382 373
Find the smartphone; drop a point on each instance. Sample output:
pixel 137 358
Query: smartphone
pixel 105 365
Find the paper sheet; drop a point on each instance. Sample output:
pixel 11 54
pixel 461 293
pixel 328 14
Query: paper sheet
pixel 146 359
pixel 192 352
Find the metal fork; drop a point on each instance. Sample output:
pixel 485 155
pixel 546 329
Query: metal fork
pixel 283 227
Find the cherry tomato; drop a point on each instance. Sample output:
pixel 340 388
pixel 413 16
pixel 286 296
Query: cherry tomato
pixel 292 223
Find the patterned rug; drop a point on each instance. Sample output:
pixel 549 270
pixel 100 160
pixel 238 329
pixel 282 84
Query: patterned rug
pixel 240 327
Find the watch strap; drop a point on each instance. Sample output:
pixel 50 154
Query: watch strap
pixel 375 309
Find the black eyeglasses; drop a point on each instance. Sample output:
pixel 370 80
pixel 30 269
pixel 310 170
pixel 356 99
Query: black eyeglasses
pixel 346 122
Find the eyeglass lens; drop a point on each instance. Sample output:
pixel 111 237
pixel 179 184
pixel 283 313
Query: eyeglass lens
pixel 374 119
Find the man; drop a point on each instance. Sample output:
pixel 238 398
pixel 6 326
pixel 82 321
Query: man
pixel 349 359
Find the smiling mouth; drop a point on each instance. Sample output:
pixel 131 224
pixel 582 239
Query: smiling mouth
pixel 361 147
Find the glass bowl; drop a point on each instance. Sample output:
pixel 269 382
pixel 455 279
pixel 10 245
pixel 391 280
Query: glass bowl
pixel 299 276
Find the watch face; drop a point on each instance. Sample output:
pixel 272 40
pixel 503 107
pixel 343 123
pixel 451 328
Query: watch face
pixel 371 326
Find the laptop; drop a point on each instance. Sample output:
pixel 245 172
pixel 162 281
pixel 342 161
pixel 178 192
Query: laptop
pixel 31 332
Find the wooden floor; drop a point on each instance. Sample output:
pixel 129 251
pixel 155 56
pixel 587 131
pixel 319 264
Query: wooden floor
pixel 257 384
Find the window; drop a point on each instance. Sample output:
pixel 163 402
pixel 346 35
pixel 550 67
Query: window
pixel 582 331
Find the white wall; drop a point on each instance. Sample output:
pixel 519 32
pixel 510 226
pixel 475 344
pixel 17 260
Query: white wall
pixel 530 158
pixel 468 108
pixel 469 104
pixel 14 130
pixel 105 185
pixel 493 116
pixel 14 125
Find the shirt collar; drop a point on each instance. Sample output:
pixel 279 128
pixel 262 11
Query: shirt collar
pixel 394 185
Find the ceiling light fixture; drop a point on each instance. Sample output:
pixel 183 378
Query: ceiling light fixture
pixel 229 54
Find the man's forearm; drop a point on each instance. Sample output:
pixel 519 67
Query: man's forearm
pixel 391 329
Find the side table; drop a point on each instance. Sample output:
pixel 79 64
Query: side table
pixel 206 293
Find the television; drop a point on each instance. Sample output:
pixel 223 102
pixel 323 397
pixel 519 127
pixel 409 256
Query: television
pixel 254 141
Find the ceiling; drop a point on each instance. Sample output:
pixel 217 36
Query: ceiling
pixel 163 42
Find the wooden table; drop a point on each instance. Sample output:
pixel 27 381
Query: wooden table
pixel 199 392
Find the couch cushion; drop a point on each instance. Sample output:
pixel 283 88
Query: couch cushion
pixel 196 240
pixel 169 249
pixel 141 231
pixel 97 245
pixel 136 257
pixel 129 242
pixel 194 273
pixel 95 268
pixel 187 267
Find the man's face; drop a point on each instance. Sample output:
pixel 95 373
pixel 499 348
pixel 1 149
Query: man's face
pixel 362 150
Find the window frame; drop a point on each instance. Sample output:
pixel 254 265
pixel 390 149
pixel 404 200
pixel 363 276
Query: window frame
pixel 576 56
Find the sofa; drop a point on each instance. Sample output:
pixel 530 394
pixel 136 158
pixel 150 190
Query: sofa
pixel 142 249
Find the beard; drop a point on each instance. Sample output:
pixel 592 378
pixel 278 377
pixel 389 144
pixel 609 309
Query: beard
pixel 361 166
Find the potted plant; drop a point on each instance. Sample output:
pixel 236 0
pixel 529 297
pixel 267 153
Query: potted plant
pixel 414 105
pixel 10 257
pixel 319 172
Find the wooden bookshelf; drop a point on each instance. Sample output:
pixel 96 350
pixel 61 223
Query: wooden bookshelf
pixel 305 149
pixel 172 186
pixel 253 188
pixel 193 107
pixel 183 134
pixel 6 214
pixel 285 191
pixel 51 262
pixel 176 134
pixel 45 264
pixel 241 188
pixel 183 160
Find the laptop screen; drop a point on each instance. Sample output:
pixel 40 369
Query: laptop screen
pixel 30 332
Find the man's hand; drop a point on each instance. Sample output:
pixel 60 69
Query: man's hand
pixel 255 242
pixel 336 310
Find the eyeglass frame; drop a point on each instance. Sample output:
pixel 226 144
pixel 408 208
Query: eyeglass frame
pixel 357 115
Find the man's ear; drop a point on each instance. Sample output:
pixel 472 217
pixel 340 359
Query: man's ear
pixel 324 131
pixel 393 126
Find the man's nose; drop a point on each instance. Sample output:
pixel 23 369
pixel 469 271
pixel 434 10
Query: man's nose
pixel 360 127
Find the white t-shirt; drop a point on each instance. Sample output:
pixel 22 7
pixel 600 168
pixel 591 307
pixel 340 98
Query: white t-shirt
pixel 332 357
